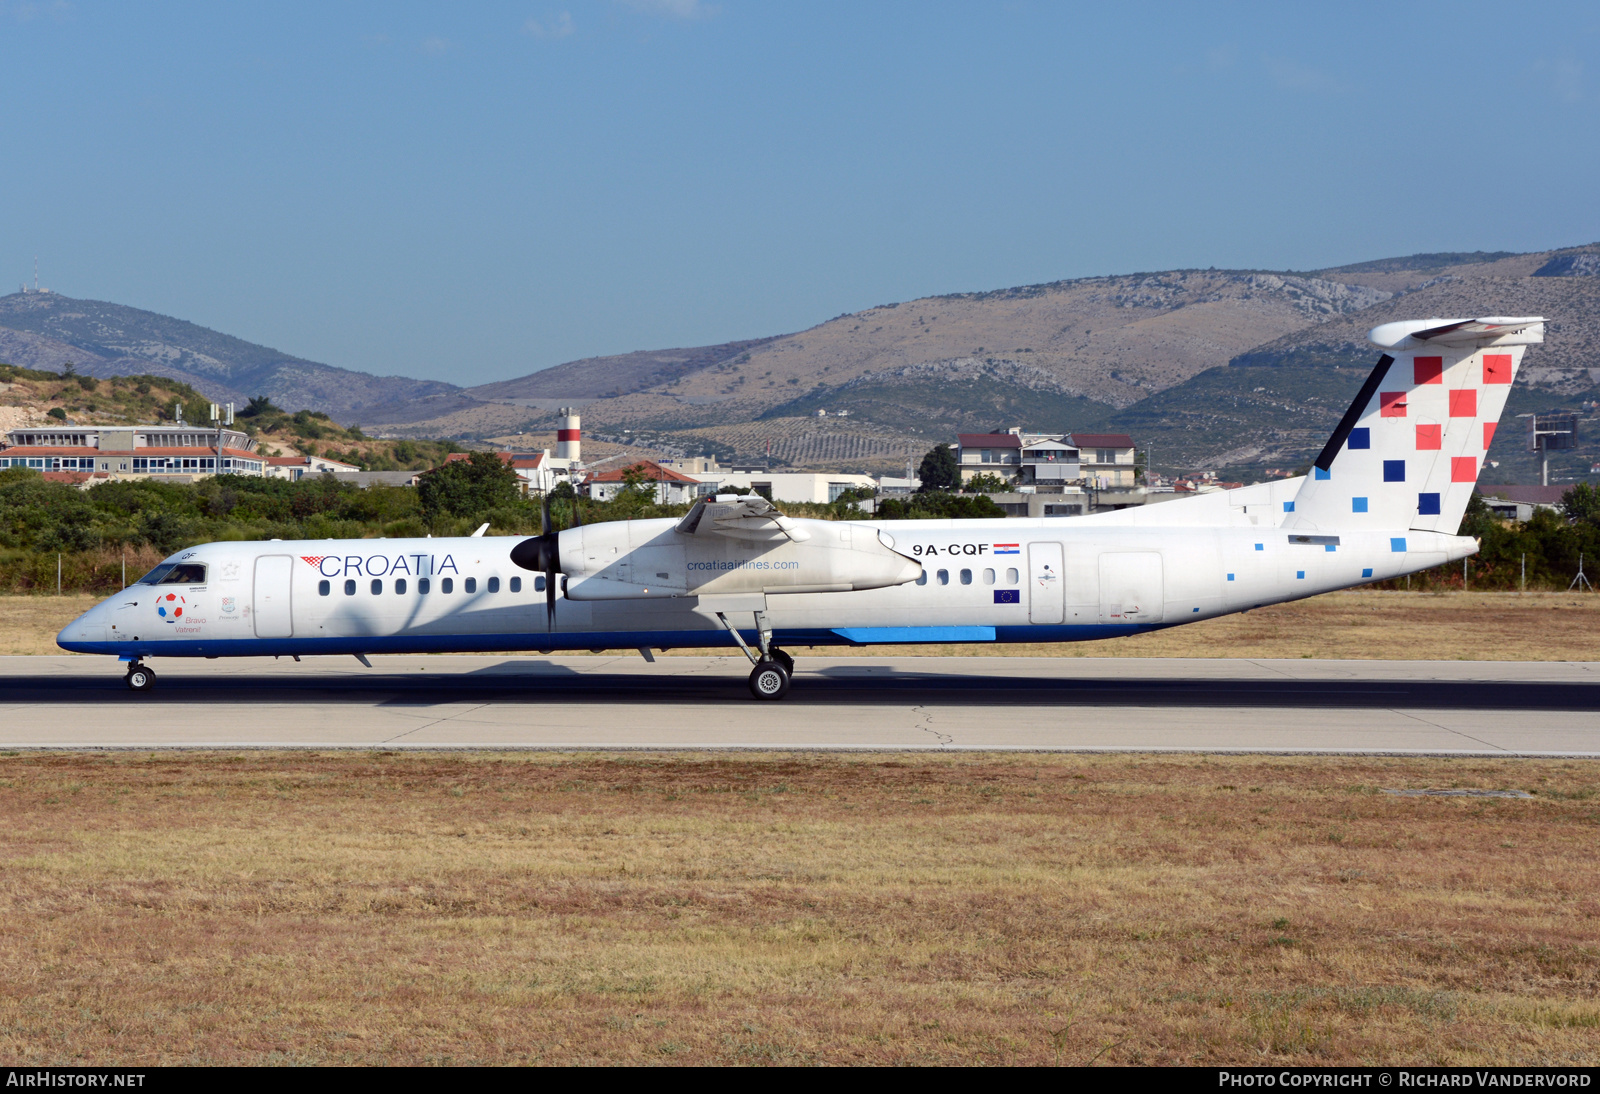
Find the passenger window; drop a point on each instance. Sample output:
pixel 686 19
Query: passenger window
pixel 470 585
pixel 516 584
pixel 1012 577
pixel 538 584
pixel 446 585
pixel 922 578
pixel 399 586
pixel 988 577
pixel 350 587
pixel 966 577
pixel 323 588
pixel 944 577
pixel 422 586
pixel 377 587
pixel 494 584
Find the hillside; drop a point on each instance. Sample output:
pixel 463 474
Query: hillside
pixel 1239 370
pixel 45 330
pixel 39 397
pixel 1233 369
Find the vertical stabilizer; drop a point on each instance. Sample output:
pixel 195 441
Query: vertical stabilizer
pixel 1408 453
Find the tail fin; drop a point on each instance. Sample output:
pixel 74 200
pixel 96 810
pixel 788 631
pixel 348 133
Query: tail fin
pixel 1408 452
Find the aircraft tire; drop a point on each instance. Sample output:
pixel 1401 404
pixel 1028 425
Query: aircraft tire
pixel 783 658
pixel 140 678
pixel 769 680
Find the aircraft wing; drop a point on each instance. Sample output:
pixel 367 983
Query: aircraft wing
pixel 748 517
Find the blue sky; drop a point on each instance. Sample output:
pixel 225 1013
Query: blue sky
pixel 471 192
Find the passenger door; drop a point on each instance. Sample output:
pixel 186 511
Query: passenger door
pixel 1047 588
pixel 272 601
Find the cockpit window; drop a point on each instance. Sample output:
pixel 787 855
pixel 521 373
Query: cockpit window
pixel 175 573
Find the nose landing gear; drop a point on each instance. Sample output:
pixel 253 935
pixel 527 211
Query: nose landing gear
pixel 140 678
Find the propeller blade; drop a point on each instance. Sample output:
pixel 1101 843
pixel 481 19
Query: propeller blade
pixel 544 514
pixel 542 555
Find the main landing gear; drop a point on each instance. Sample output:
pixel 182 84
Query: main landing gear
pixel 140 677
pixel 770 678
pixel 773 669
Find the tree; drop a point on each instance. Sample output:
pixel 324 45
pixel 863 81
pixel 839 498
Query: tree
pixel 938 470
pixel 258 405
pixel 985 483
pixel 469 487
pixel 1582 503
pixel 939 506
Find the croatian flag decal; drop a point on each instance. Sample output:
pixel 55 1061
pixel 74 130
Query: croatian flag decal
pixel 1008 596
pixel 1006 549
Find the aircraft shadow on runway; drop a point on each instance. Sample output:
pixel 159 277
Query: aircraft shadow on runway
pixel 542 683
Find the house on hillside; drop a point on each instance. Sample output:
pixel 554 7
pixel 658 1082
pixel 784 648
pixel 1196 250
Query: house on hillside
pixel 537 471
pixel 998 453
pixel 1107 459
pixel 671 487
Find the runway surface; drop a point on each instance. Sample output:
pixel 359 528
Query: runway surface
pixel 614 702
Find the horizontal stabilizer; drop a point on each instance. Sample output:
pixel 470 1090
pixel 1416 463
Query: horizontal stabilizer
pixel 1491 331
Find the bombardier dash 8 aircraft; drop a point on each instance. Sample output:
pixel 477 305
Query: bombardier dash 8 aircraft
pixel 1384 498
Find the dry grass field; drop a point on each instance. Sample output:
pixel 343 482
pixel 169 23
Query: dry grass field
pixel 355 908
pixel 1397 625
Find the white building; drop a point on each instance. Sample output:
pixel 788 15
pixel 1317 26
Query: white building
pixel 133 451
pixel 780 486
pixel 295 468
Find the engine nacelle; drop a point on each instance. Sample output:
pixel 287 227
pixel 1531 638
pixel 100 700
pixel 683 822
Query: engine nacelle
pixel 655 558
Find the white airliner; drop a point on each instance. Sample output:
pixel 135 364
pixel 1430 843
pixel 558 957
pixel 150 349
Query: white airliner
pixel 1384 499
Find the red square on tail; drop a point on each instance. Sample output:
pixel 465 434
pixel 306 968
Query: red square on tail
pixel 1464 404
pixel 1463 469
pixel 1430 438
pixel 1391 404
pixel 1497 368
pixel 1428 370
pixel 1488 434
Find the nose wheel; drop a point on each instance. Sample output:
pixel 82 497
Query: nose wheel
pixel 140 678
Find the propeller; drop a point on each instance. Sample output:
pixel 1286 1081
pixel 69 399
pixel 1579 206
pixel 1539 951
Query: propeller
pixel 542 554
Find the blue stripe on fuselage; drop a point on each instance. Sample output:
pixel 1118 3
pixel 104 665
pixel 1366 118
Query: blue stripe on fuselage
pixel 539 641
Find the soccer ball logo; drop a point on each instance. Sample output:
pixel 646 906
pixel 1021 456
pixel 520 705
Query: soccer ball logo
pixel 170 607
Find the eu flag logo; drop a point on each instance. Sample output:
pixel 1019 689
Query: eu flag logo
pixel 1008 596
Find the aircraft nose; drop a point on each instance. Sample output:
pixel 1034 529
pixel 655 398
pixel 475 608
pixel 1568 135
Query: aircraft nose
pixel 88 628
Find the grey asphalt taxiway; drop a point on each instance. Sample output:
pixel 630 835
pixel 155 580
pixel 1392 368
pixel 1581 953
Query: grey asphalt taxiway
pixel 837 702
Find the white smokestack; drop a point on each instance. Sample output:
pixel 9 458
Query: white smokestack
pixel 568 435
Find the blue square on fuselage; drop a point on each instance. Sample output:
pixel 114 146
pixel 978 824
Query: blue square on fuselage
pixel 1008 596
